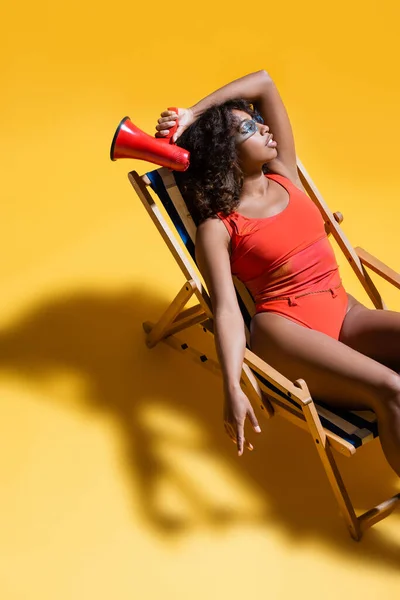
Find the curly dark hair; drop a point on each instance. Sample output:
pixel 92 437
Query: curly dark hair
pixel 214 179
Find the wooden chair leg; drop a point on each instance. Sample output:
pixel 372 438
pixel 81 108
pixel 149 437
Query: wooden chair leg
pixel 372 516
pixel 331 469
pixel 178 344
pixel 158 331
pixel 187 318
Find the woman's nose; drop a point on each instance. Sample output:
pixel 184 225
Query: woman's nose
pixel 265 129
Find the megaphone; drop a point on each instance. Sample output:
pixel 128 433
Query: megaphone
pixel 131 142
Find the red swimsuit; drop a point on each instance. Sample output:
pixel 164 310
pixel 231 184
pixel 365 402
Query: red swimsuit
pixel 287 263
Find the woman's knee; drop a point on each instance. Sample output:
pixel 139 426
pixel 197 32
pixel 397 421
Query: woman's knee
pixel 388 392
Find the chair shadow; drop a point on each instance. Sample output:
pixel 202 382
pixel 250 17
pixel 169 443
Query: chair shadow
pixel 99 336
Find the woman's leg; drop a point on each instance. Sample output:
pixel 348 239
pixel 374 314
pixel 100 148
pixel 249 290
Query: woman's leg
pixel 375 333
pixel 334 373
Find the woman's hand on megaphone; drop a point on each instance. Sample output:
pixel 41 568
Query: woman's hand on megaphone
pixel 168 119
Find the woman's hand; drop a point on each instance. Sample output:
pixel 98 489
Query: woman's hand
pixel 168 119
pixel 236 408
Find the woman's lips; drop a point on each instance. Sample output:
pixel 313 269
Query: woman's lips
pixel 270 142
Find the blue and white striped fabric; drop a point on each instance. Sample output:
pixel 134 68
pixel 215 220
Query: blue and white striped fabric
pixel 355 427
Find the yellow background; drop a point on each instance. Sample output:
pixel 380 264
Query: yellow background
pixel 117 479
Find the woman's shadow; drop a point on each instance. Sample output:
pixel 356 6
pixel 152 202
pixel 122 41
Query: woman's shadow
pixel 99 336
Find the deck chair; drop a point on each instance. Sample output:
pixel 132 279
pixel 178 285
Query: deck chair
pixel 330 429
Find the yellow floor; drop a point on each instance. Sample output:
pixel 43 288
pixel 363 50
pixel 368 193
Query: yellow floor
pixel 117 479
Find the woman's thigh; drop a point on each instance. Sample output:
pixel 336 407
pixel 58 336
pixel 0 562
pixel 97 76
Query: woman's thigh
pixel 334 372
pixel 373 332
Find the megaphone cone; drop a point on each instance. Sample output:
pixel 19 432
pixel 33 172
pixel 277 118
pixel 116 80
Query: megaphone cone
pixel 131 142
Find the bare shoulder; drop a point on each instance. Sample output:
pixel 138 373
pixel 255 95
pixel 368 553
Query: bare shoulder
pixel 212 230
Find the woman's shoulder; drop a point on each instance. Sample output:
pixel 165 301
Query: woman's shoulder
pixel 213 226
pixel 211 222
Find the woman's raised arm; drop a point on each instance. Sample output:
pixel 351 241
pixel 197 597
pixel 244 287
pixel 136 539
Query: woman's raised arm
pixel 259 89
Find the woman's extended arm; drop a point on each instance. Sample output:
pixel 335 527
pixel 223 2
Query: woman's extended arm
pixel 259 89
pixel 213 260
pixel 250 88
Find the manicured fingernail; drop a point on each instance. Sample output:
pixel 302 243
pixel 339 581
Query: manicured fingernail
pixel 258 429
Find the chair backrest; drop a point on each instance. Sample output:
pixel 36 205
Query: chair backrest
pixel 163 183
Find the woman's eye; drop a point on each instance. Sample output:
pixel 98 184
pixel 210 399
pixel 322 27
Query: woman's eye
pixel 248 126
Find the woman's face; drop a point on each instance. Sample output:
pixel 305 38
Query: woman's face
pixel 254 143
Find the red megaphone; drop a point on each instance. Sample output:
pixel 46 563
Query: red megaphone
pixel 131 142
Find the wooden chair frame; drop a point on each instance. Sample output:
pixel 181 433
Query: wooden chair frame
pixel 293 401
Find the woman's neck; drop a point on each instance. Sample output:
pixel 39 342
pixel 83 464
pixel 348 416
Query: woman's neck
pixel 254 186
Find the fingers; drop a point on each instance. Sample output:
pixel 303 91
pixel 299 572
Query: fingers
pixel 231 432
pixel 253 419
pixel 240 437
pixel 165 122
pixel 167 113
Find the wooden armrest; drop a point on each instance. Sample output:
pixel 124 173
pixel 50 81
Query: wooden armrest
pixel 338 218
pixel 378 267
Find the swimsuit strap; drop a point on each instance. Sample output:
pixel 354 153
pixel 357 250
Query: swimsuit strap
pixel 229 223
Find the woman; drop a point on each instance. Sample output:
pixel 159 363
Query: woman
pixel 256 221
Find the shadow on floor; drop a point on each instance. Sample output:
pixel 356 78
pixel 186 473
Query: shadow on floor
pixel 99 336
